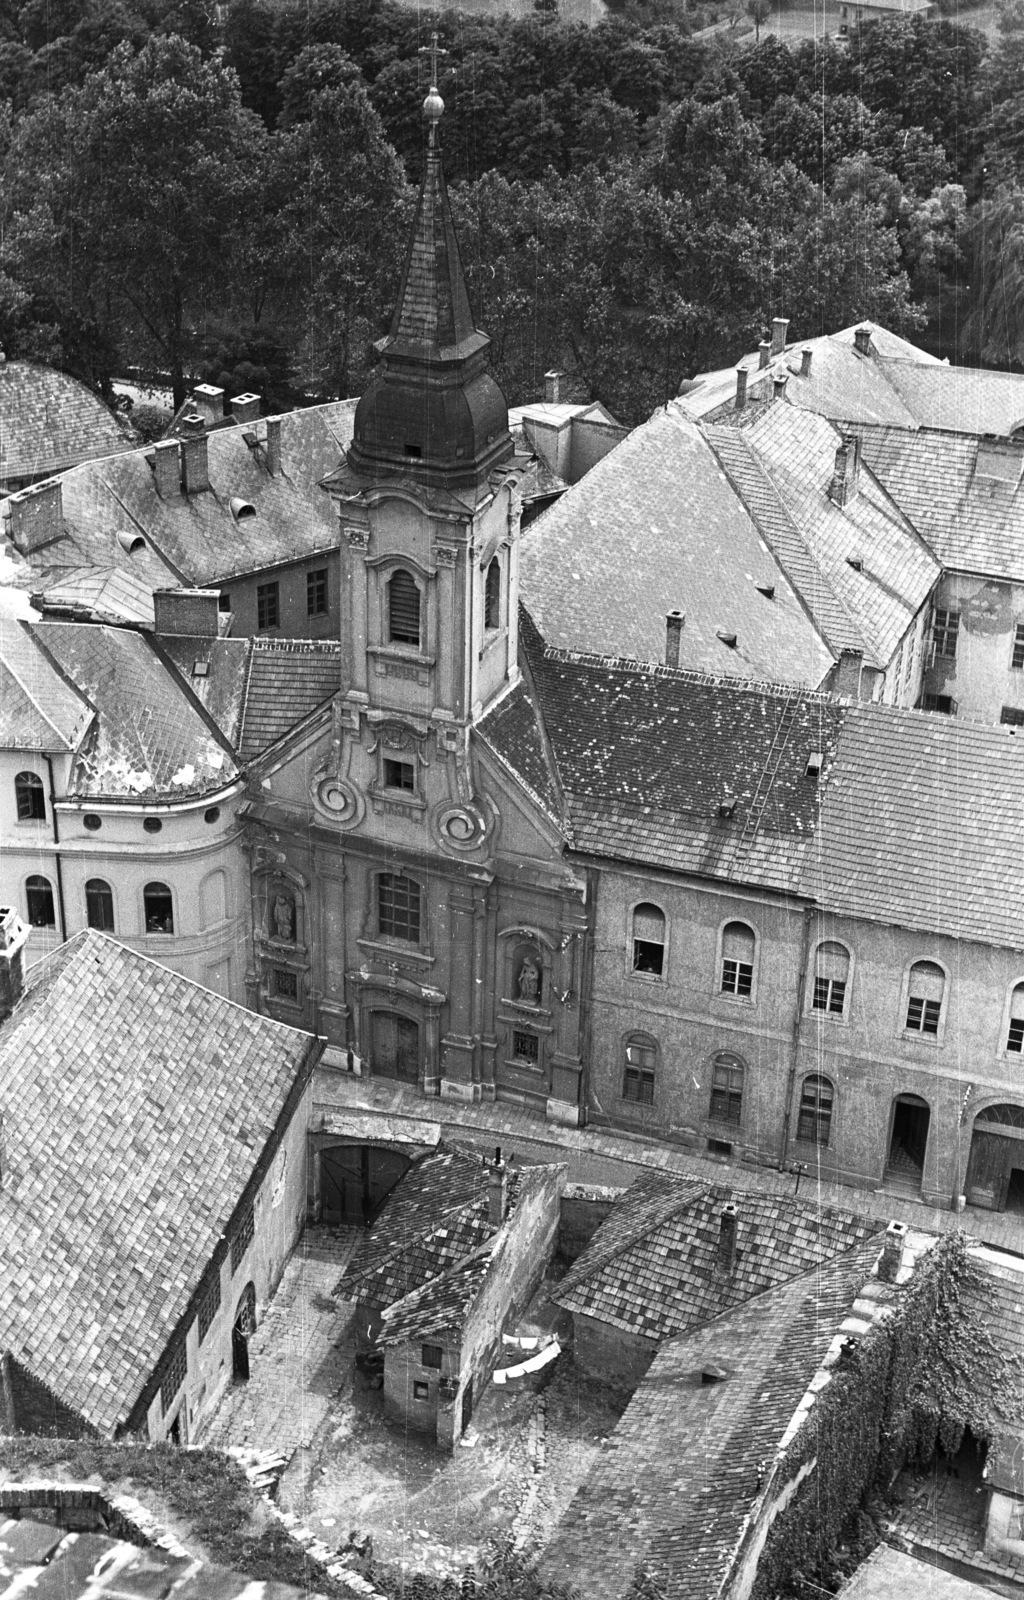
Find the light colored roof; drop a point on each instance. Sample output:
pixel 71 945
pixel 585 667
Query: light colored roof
pixel 922 826
pixel 194 539
pixel 101 594
pixel 972 519
pixel 39 710
pixel 136 1107
pixel 654 527
pixel 49 421
pixel 150 739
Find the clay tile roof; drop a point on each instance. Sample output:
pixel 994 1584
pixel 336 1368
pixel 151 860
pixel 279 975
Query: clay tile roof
pixel 288 678
pixel 39 709
pixel 665 1280
pixel 673 1491
pixel 438 1305
pixel 149 739
pixel 656 526
pixel 49 422
pixel 921 826
pixel 136 1107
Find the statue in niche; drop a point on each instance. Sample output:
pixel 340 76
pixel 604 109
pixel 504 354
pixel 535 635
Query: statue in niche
pixel 529 981
pixel 284 918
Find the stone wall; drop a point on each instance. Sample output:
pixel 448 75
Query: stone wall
pixel 611 1355
pixel 583 1209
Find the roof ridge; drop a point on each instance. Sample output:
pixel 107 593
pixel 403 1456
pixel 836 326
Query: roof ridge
pixel 656 669
pixel 262 643
pixel 575 1276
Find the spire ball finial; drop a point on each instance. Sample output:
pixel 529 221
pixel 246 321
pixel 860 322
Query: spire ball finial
pixel 433 106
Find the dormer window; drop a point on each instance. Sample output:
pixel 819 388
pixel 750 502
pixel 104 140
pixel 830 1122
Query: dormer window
pixel 403 610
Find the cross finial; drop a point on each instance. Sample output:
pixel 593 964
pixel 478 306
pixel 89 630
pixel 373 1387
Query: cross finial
pixel 433 50
pixel 433 105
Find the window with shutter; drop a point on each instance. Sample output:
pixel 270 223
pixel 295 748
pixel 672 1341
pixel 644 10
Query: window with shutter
pixel 1015 1036
pixel 924 997
pixel 831 975
pixel 738 960
pixel 649 939
pixel 639 1073
pixel 403 610
pixel 726 1089
pixel 814 1123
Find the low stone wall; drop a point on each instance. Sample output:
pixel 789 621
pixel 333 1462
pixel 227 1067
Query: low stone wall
pixel 583 1209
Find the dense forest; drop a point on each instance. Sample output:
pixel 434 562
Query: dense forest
pixel 223 194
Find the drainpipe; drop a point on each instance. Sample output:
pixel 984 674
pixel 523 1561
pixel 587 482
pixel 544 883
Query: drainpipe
pixel 801 990
pixel 56 856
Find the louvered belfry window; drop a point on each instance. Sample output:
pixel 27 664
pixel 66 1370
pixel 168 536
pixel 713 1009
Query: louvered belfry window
pixel 403 610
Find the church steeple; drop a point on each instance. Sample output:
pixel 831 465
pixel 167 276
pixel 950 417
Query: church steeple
pixel 433 411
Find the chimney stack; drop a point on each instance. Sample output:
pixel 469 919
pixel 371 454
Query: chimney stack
pixel 764 353
pixel 862 339
pixel 779 386
pixel 805 361
pixel 891 1259
pixel 848 673
pixel 551 388
pixel 497 1184
pixel 167 468
pixel 37 516
pixel 208 403
pixel 741 388
pixel 245 408
pixel 13 939
pixel 274 446
pixel 780 327
pixel 195 467
pixel 192 612
pixel 727 1240
pixel 673 635
pixel 846 476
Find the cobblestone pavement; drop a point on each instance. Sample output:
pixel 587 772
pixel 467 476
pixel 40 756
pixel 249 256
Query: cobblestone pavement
pixel 595 1155
pixel 295 1364
pixel 942 1516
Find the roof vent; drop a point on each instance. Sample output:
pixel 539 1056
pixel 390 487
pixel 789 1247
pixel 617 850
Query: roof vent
pixel 250 438
pixel 815 762
pixel 131 542
pixel 862 339
pixel 855 562
pixel 241 509
pixel 767 589
pixel 713 1372
pixel 727 638
pixel 727 805
pixel 200 669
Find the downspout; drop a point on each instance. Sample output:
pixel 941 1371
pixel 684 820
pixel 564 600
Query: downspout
pixel 801 989
pixel 56 856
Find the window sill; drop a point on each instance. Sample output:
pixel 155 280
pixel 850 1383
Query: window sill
pixel 399 652
pixel 396 797
pixel 645 977
pixel 746 1000
pixel 492 638
pixel 397 949
pixel 932 1040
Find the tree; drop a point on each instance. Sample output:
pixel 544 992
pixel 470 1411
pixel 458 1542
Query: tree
pixel 993 331
pixel 758 11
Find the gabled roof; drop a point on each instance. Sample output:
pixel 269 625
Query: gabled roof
pixel 674 1492
pixel 662 1278
pixel 136 1107
pixel 654 527
pixel 100 594
pixel 257 689
pixel 439 1305
pixel 49 422
pixel 39 710
pixel 149 739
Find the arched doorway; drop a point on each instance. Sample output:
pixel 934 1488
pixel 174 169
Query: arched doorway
pixel 242 1331
pixel 908 1141
pixel 355 1180
pixel 394 1046
pixel 995 1167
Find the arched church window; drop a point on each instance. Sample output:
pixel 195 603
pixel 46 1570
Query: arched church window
pixel 403 609
pixel 492 596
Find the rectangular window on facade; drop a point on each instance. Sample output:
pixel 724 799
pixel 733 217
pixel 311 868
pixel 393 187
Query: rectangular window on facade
pixel 420 1390
pixel 398 907
pixel 316 593
pixel 726 1090
pixel 399 775
pixel 1012 717
pixel 286 984
pixel 1017 659
pixel 638 1074
pixel 738 960
pixel 814 1122
pixel 923 1015
pixel 174 1377
pixel 526 1047
pixel 268 605
pixel 829 995
pixel 1015 1038
pixel 242 1237
pixel 209 1305
pixel 945 628
pixel 649 940
pixel 937 702
pixel 431 1355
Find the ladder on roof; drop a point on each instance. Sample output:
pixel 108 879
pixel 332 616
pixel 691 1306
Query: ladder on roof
pixel 773 760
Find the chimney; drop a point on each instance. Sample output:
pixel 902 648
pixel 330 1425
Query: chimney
pixel 764 353
pixel 208 402
pixel 848 674
pixel 805 361
pixel 862 339
pixel 497 1176
pixel 187 611
pixel 780 327
pixel 13 939
pixel 37 515
pixel 673 634
pixel 727 1240
pixel 779 386
pixel 846 475
pixel 245 408
pixel 274 446
pixel 551 390
pixel 195 468
pixel 167 468
pixel 741 388
pixel 891 1259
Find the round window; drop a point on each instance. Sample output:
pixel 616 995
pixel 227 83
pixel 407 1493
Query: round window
pixel 152 824
pixel 211 813
pixel 92 822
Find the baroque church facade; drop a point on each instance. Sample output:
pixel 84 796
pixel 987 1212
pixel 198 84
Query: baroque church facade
pixel 411 903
